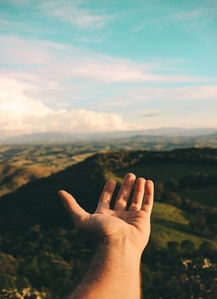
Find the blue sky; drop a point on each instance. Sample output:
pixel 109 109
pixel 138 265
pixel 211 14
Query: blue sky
pixel 83 66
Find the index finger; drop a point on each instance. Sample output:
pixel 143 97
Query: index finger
pixel 106 196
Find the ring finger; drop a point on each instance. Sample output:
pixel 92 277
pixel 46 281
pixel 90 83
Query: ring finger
pixel 138 195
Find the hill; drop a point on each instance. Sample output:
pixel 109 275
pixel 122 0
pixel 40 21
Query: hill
pixel 21 164
pixel 39 250
pixel 38 203
pixel 12 176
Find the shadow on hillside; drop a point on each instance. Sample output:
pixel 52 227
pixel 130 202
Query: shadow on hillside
pixel 175 225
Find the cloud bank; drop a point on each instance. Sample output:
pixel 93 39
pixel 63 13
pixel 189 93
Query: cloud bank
pixel 20 114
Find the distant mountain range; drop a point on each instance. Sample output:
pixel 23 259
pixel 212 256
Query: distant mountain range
pixel 58 137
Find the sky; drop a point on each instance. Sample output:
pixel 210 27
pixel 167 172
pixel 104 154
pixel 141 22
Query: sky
pixel 107 65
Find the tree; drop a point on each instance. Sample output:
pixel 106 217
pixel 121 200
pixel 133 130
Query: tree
pixel 197 223
pixel 8 271
pixel 187 246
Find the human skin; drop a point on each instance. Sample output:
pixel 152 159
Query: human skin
pixel 122 235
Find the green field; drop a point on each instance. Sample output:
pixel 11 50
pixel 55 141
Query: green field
pixel 170 223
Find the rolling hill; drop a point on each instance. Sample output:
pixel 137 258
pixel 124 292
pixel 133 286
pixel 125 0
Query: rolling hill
pixel 37 202
pixel 13 176
pixel 40 252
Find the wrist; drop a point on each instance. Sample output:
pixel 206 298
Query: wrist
pixel 120 246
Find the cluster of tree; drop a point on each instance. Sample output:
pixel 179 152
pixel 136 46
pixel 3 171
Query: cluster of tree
pixel 193 181
pixel 53 261
pixel 180 271
pixel 26 293
pixel 198 180
pixel 50 261
pixel 200 156
pixel 203 217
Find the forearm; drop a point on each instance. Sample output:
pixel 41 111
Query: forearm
pixel 113 273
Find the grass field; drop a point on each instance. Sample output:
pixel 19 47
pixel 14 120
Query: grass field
pixel 170 223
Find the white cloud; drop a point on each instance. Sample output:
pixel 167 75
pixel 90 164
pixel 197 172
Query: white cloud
pixel 21 51
pixel 20 114
pixel 195 20
pixel 190 93
pixel 181 93
pixel 54 62
pixel 183 16
pixel 118 70
pixel 71 12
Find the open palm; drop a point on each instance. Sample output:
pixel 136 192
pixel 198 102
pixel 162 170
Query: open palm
pixel 129 219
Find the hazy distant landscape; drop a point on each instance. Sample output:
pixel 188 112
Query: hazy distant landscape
pixel 170 133
pixel 30 157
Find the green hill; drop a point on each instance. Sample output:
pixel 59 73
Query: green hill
pixel 170 223
pixel 13 176
pixel 20 164
pixel 40 251
pixel 38 203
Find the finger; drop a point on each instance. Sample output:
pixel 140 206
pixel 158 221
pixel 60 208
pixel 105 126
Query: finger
pixel 138 195
pixel 124 193
pixel 148 197
pixel 77 214
pixel 106 196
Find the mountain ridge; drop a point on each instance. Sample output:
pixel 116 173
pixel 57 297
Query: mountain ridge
pixel 54 137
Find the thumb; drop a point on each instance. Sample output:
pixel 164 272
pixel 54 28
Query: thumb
pixel 77 214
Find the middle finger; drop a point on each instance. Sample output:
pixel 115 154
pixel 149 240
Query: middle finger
pixel 124 192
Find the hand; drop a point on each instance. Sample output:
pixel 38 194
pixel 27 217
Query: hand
pixel 131 224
